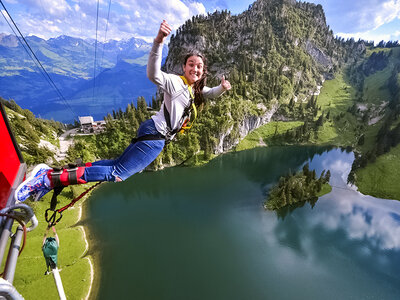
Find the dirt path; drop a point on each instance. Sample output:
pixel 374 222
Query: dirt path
pixel 65 142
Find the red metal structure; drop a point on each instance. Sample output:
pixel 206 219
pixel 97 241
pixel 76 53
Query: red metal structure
pixel 12 166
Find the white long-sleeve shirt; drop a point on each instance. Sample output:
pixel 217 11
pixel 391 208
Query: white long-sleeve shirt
pixel 176 92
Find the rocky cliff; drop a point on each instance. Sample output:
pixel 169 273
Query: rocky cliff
pixel 274 51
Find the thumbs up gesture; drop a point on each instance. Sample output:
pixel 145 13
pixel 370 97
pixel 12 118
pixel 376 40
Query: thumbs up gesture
pixel 163 32
pixel 225 83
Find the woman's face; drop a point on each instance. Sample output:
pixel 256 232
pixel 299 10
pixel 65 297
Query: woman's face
pixel 193 69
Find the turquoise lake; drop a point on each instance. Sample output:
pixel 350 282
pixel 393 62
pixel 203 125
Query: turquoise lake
pixel 202 233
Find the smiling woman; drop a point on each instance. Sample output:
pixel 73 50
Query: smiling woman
pixel 181 96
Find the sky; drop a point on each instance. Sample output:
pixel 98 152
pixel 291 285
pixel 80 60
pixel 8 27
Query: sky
pixel 372 20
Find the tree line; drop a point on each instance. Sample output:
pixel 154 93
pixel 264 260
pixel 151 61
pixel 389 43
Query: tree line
pixel 29 131
pixel 298 187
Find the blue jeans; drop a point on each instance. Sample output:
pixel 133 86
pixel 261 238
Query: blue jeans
pixel 134 159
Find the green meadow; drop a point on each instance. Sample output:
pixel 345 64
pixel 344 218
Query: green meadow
pixel 378 179
pixel 73 261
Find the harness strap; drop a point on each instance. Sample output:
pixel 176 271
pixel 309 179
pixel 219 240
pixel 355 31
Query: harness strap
pixel 72 176
pixel 186 113
pixel 56 191
pixel 148 137
pixel 167 117
pixel 189 87
pixel 55 176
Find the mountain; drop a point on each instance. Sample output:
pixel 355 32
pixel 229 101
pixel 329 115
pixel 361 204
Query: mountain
pixel 292 81
pixel 69 62
pixel 277 55
pixel 274 53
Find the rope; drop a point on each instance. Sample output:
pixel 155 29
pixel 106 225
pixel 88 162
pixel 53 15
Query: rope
pixel 78 198
pixel 95 49
pixel 53 220
pixel 48 78
pixel 105 35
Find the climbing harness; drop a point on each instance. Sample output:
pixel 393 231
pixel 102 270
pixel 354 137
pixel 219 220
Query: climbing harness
pixel 186 121
pixel 60 178
pixel 148 137
pixel 71 174
pixel 53 219
pixel 187 112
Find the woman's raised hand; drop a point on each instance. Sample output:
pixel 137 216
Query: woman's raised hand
pixel 225 83
pixel 163 32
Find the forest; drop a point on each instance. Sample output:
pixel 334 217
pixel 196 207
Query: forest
pixel 303 186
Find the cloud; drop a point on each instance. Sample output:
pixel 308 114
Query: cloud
pixel 50 18
pixel 359 16
pixel 136 16
pixel 360 217
pixel 55 8
pixel 395 36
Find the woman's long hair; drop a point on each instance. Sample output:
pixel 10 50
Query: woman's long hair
pixel 199 84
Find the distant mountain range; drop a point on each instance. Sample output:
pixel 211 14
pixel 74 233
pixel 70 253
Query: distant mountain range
pixel 119 78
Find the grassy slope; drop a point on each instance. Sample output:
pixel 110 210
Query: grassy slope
pixel 326 189
pixel 337 95
pixel 30 280
pixel 264 134
pixel 380 179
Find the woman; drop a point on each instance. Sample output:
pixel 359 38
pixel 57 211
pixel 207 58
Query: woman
pixel 180 92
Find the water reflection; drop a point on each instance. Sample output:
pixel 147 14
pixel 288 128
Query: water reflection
pixel 360 216
pixel 363 228
pixel 202 233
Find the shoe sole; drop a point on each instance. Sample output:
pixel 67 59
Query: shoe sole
pixel 32 175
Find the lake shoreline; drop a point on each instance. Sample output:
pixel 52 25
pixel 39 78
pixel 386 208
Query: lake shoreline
pixel 94 254
pixel 89 254
pixel 172 224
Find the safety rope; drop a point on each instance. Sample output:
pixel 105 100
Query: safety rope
pixel 53 220
pixel 186 125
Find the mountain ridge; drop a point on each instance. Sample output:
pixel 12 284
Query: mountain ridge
pixel 70 63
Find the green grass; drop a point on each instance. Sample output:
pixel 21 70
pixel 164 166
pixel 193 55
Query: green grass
pixel 375 87
pixel 378 179
pixel 264 134
pixel 381 178
pixel 370 51
pixel 30 280
pixel 336 97
pixel 325 189
pixel 139 61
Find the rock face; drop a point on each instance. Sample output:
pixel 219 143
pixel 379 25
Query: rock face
pixel 249 124
pixel 274 51
pixel 318 55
